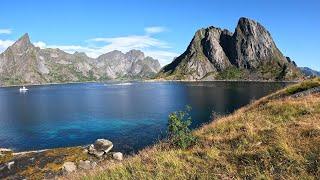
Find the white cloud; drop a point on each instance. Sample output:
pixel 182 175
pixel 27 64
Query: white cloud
pixel 164 57
pixel 40 44
pixel 4 44
pixel 155 29
pixel 5 31
pixel 132 42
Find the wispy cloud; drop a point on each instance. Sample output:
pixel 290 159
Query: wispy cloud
pixel 155 29
pixel 5 31
pixel 131 42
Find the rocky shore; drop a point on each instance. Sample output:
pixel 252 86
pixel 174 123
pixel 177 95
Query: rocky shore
pixel 49 163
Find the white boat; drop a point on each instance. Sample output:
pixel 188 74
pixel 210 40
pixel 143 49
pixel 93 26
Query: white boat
pixel 23 89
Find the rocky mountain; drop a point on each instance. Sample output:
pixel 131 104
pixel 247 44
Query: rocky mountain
pixel 309 72
pixel 249 53
pixel 23 63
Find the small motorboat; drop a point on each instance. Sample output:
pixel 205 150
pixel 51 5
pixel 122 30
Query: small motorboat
pixel 23 89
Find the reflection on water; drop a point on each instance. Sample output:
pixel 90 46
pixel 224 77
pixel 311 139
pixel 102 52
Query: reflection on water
pixel 132 115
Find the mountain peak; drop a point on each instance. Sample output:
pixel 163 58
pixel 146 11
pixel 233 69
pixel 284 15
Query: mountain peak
pixel 135 55
pixel 246 20
pixel 24 39
pixel 22 43
pixel 251 27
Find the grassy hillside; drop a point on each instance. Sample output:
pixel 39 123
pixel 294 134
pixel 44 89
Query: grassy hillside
pixel 276 137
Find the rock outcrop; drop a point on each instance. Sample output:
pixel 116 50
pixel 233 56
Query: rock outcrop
pixel 23 63
pixel 49 163
pixel 248 53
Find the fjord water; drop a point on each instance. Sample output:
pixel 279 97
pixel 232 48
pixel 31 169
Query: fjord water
pixel 132 115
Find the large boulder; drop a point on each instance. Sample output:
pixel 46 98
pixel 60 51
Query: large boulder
pixel 100 147
pixel 103 145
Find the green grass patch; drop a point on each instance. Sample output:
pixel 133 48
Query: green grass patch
pixel 231 73
pixel 303 86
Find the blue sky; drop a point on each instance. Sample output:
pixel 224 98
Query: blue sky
pixel 162 29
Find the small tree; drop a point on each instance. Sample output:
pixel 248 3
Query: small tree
pixel 179 132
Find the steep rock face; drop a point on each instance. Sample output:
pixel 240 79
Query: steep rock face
pixel 253 45
pixel 23 63
pixel 19 62
pixel 249 53
pixel 204 54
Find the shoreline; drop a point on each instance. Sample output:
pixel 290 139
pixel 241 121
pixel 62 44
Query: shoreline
pixel 165 80
pixel 148 81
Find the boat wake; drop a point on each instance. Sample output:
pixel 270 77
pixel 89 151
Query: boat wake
pixel 123 84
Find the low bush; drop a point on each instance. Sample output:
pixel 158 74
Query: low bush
pixel 179 133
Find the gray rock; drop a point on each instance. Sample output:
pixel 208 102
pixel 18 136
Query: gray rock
pixel 103 145
pixel 69 167
pixel 84 164
pixel 118 156
pixel 100 147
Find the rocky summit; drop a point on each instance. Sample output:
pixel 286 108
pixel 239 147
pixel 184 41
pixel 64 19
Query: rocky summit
pixel 24 63
pixel 247 54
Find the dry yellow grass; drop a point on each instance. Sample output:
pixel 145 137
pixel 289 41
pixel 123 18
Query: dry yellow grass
pixel 275 137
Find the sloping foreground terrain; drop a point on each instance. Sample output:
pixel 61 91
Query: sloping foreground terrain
pixel 276 137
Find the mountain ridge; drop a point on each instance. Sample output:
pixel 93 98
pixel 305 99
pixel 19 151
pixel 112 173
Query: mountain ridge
pixel 24 63
pixel 309 72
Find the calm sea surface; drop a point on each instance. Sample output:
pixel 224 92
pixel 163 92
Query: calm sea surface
pixel 131 115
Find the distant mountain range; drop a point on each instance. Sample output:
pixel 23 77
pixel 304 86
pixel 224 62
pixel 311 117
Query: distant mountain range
pixel 247 54
pixel 23 63
pixel 309 72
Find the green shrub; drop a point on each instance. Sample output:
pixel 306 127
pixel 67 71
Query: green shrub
pixel 179 133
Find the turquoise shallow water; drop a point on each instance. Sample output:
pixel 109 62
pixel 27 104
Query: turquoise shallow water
pixel 132 115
